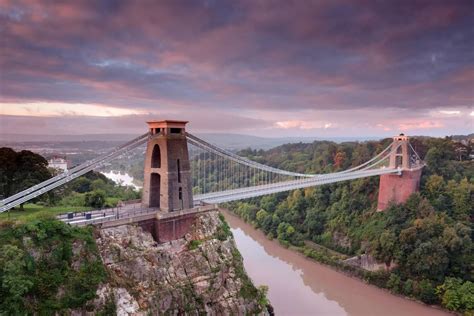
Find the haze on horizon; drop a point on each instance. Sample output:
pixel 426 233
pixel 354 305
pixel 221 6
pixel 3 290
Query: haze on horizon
pixel 266 68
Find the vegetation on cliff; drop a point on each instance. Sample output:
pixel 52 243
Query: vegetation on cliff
pixel 47 266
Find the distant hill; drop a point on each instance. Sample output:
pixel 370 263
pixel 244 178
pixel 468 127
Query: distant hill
pixel 230 141
pixel 14 138
pixel 463 137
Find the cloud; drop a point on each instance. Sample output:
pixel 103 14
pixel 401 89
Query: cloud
pixel 240 57
pixel 296 124
pixel 452 112
pixel 63 109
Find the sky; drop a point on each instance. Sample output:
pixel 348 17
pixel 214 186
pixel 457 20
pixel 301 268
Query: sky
pixel 267 68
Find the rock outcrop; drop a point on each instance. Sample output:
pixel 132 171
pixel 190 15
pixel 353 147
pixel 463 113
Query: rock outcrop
pixel 366 262
pixel 199 274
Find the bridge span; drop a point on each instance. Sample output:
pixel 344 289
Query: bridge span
pixel 182 171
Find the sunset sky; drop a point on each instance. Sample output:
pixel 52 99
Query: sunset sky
pixel 268 68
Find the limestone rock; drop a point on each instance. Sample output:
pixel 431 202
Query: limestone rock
pixel 173 278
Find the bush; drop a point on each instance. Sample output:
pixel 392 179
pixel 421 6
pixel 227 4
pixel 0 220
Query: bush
pixel 95 199
pixel 408 287
pixel 393 283
pixel 456 295
pixel 426 292
pixel 223 231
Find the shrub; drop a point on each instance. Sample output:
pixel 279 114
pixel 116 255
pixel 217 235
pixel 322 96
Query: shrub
pixel 393 283
pixel 194 244
pixel 456 295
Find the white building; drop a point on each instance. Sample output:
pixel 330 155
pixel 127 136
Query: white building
pixel 58 163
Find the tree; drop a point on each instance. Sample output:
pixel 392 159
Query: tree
pixel 285 231
pixel 314 222
pixel 435 188
pixel 21 170
pixel 386 247
pixel 426 292
pixel 456 295
pixel 339 159
pixel 15 281
pixel 394 282
pixel 8 166
pixel 462 195
pixel 95 199
pixel 261 215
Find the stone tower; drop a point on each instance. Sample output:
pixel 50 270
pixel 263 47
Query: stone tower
pixel 397 188
pixel 167 182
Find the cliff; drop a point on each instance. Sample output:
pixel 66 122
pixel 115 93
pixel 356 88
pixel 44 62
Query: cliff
pixel 199 274
pixel 50 268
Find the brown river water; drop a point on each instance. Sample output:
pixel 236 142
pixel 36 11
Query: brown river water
pixel 300 286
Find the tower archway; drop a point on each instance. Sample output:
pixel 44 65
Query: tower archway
pixel 156 157
pixel 155 190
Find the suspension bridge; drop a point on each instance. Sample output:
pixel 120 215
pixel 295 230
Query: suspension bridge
pixel 183 171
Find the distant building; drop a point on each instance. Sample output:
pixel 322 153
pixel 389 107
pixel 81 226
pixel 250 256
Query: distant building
pixel 58 163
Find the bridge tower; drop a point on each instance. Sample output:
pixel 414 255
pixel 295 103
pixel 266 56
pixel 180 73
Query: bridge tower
pixel 167 174
pixel 397 188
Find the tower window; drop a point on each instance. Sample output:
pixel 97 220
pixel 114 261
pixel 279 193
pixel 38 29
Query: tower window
pixel 156 157
pixel 180 193
pixel 175 130
pixel 179 171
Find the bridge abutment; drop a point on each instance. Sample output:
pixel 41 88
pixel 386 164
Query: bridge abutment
pixel 164 226
pixel 397 188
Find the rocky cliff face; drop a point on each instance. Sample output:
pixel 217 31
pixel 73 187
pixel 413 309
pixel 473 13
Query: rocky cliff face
pixel 199 274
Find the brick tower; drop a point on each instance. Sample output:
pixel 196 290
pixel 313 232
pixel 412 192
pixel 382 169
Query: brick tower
pixel 167 182
pixel 397 188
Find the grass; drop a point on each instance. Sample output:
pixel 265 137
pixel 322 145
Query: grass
pixel 34 211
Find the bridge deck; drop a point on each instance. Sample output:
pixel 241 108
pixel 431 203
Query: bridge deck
pixel 131 213
pixel 255 191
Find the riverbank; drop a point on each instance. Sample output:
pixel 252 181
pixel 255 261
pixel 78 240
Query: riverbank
pixel 299 285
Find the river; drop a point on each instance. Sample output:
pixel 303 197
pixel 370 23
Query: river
pixel 300 286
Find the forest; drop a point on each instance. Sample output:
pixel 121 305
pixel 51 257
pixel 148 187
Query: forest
pixel 426 243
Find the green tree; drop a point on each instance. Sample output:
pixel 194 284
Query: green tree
pixel 8 167
pixel 261 215
pixel 95 199
pixel 386 247
pixel 21 170
pixel 394 283
pixel 457 295
pixel 462 195
pixel 435 189
pixel 426 292
pixel 314 222
pixel 15 281
pixel 285 231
